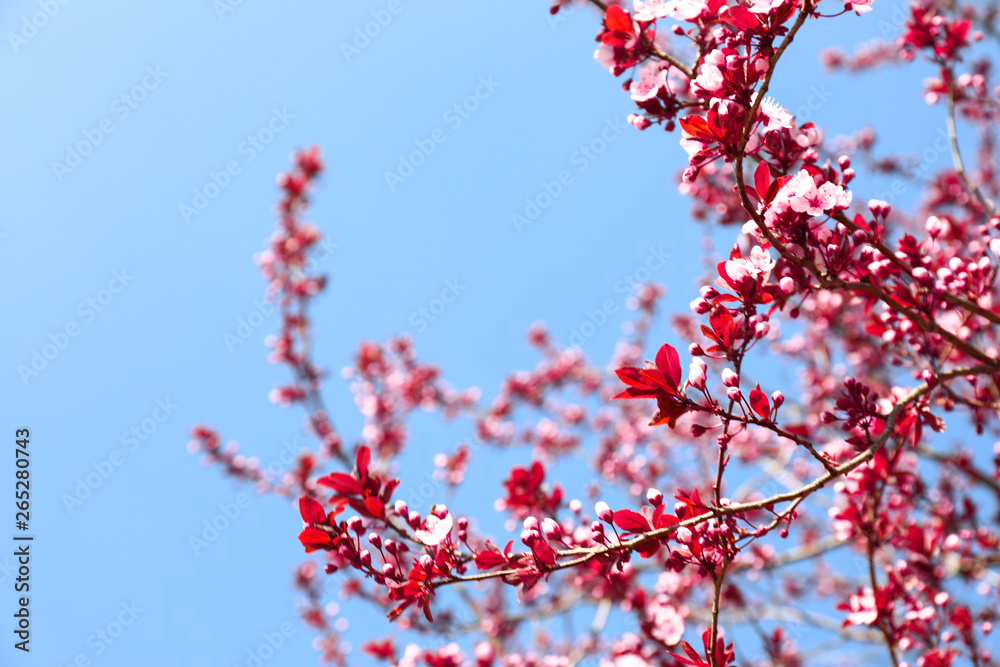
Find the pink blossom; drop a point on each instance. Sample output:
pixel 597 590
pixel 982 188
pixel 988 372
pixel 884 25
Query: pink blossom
pixel 667 620
pixel 757 267
pixel 710 79
pixel 626 660
pixel 686 10
pixel 651 79
pixel 650 10
pixel 434 531
pixel 863 609
pixel 803 196
pixel 766 6
pixel 775 116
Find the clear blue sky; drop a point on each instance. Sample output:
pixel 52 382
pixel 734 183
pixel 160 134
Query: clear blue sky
pixel 166 290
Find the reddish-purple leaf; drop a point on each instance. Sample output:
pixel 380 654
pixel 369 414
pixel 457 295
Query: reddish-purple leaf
pixel 341 483
pixel 762 177
pixel 632 522
pixel 311 510
pixel 314 539
pixel 759 402
pixel 668 362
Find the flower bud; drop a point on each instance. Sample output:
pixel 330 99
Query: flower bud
pixel 697 373
pixel 401 508
pixel 734 394
pixel 604 512
pixel 695 350
pixel 426 562
pixel 389 570
pixel 730 378
pixel 375 540
pixel 414 518
pixel 355 524
pixel 390 546
pixel 777 398
pixel 551 529
pixel 654 496
pixel 531 523
pixel 366 558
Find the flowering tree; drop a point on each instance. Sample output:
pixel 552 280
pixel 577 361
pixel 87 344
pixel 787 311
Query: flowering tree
pixel 865 528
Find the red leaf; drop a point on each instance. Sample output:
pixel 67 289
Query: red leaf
pixel 699 128
pixel 617 19
pixel 860 221
pixel 632 522
pixel 364 458
pixel 739 16
pixel 633 377
pixel 314 538
pixel 668 362
pixel 723 325
pixel 776 185
pixel 759 402
pixel 311 510
pixel 341 483
pixel 544 554
pixel 375 507
pixel 762 177
pixel 489 559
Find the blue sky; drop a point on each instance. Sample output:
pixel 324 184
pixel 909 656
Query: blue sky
pixel 170 94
